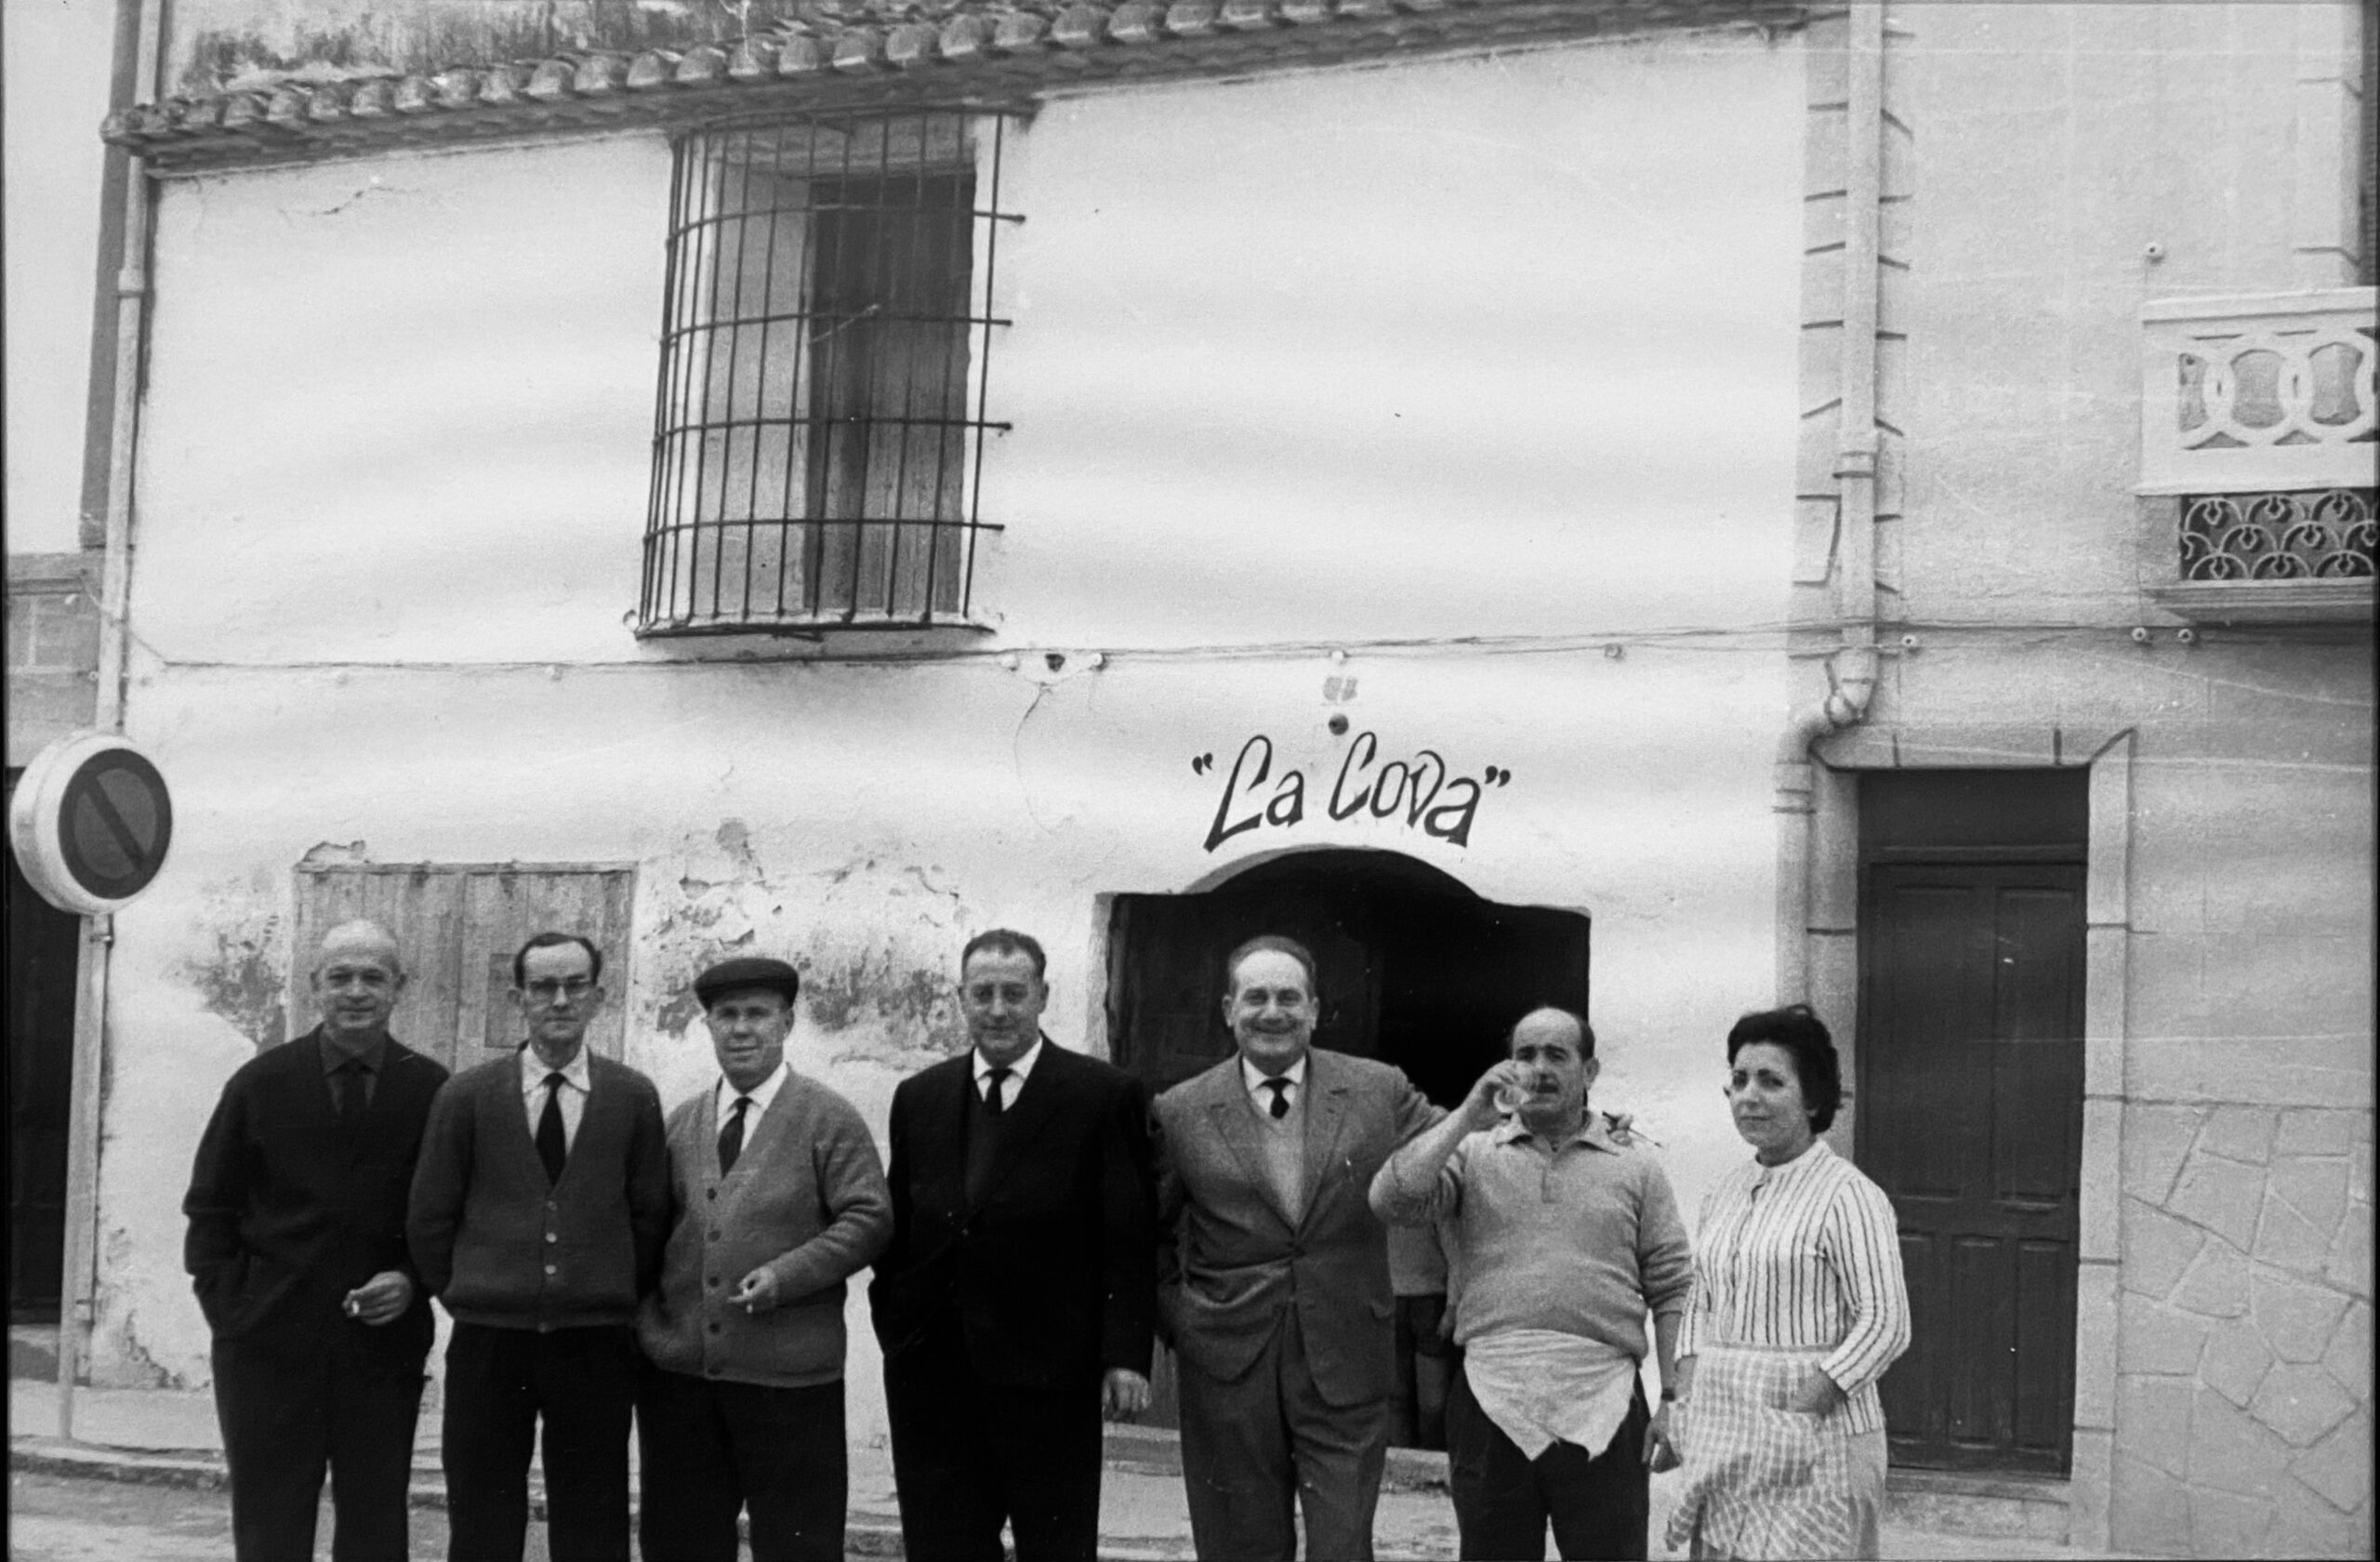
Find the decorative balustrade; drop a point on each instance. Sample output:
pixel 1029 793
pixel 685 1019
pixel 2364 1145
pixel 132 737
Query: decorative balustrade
pixel 2255 394
pixel 2257 453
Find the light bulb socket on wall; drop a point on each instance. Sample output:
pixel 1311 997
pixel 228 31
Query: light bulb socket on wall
pixel 2152 252
pixel 2140 637
pixel 2188 637
pixel 1909 643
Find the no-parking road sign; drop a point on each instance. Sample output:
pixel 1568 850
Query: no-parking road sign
pixel 90 822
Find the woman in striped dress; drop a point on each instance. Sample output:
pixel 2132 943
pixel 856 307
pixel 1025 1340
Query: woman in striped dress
pixel 1798 1308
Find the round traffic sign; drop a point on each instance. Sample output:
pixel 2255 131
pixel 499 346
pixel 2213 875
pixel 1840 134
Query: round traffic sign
pixel 90 822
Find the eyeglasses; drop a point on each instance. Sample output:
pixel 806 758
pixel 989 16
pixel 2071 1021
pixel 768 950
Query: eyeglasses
pixel 547 990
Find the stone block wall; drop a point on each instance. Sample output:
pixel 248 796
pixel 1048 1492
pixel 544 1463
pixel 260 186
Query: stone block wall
pixel 2245 1362
pixel 53 648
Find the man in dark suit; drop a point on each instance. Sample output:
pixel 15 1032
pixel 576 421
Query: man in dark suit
pixel 296 1244
pixel 1273 1271
pixel 1015 1305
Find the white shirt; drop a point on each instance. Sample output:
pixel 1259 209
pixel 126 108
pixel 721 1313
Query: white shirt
pixel 577 1083
pixel 759 1095
pixel 1016 1073
pixel 1254 1078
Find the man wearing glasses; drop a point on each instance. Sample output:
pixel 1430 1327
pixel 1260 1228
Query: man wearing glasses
pixel 538 1214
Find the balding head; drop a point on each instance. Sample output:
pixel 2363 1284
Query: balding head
pixel 362 939
pixel 357 979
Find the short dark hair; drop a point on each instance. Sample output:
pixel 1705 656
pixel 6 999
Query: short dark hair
pixel 1273 943
pixel 1805 1036
pixel 1586 1031
pixel 552 940
pixel 1006 941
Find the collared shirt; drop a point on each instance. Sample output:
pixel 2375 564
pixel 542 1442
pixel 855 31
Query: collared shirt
pixel 760 1095
pixel 1254 1078
pixel 373 1058
pixel 576 1083
pixel 1583 1241
pixel 1014 1083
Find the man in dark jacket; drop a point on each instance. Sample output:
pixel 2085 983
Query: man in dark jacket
pixel 1017 1302
pixel 539 1213
pixel 296 1244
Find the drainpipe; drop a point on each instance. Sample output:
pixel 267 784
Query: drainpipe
pixel 1851 667
pixel 139 34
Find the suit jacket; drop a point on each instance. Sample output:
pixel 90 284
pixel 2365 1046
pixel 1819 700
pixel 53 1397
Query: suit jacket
pixel 287 1215
pixel 1050 1278
pixel 1231 1261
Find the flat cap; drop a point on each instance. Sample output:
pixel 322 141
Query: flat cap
pixel 745 971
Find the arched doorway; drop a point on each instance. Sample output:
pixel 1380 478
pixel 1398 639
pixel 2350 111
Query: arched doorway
pixel 1416 970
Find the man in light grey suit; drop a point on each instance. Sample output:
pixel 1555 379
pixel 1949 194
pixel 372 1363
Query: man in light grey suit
pixel 1273 1284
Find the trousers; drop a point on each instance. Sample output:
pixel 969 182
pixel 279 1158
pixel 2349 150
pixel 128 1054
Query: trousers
pixel 500 1383
pixel 350 1409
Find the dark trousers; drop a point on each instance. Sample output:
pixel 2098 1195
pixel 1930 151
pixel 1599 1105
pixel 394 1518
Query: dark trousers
pixel 1255 1445
pixel 348 1407
pixel 1503 1499
pixel 499 1382
pixel 968 1454
pixel 710 1449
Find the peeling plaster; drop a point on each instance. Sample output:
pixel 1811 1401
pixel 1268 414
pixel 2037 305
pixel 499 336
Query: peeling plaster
pixel 241 981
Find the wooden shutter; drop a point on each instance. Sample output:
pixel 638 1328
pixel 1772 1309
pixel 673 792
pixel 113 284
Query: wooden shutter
pixel 456 926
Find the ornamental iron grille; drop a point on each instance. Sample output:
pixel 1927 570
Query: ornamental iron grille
pixel 817 449
pixel 2320 534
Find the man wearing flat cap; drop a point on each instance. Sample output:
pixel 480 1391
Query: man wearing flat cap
pixel 776 1199
pixel 1018 1300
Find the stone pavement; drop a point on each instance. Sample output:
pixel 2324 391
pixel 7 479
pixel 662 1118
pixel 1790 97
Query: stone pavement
pixel 169 1436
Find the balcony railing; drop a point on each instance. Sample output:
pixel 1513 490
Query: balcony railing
pixel 2257 454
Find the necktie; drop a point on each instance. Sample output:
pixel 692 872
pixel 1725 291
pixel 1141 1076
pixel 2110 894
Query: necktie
pixel 551 1147
pixel 992 1092
pixel 1281 1106
pixel 351 1101
pixel 731 1138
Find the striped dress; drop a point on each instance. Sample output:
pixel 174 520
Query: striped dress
pixel 1796 1266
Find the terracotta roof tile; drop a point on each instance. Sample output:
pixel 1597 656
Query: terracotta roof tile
pixel 859 54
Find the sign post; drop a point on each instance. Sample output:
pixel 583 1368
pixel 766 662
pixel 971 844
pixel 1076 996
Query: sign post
pixel 90 822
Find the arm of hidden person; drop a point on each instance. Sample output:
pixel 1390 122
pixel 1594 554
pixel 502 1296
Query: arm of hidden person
pixel 442 1179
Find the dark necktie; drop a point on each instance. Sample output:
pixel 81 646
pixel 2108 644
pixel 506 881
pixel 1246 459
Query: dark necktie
pixel 731 1138
pixel 1281 1106
pixel 992 1090
pixel 352 1095
pixel 552 1147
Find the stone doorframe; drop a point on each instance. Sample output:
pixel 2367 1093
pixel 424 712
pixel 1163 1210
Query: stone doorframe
pixel 1830 942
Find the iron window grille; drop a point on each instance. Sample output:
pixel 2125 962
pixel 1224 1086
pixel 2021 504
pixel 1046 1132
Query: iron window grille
pixel 818 443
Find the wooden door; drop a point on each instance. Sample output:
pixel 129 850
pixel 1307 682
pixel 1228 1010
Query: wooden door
pixel 44 944
pixel 1970 1116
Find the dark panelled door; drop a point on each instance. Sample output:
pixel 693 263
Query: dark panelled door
pixel 43 944
pixel 1970 1117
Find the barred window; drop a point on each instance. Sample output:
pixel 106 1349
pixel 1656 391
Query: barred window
pixel 818 441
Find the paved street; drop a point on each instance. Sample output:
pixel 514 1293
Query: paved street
pixel 54 1519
